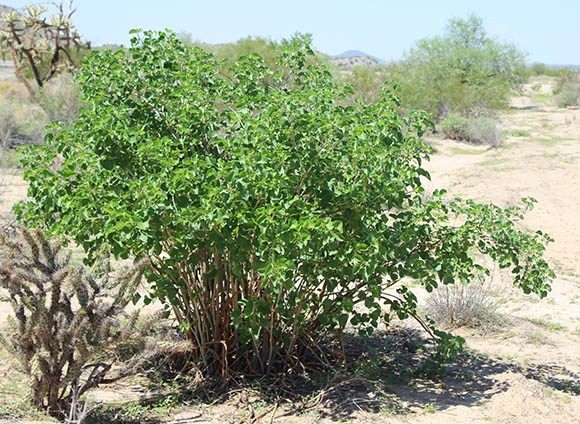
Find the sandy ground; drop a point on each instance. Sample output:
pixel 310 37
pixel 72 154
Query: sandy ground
pixel 529 370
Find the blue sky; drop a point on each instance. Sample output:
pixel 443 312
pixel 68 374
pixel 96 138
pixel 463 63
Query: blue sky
pixel 549 31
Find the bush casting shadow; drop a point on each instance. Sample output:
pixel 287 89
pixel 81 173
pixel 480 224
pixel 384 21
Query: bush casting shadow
pixel 386 373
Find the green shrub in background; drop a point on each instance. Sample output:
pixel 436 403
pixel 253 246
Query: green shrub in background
pixel 568 88
pixel 569 96
pixel 538 69
pixel 267 208
pixel 479 130
pixel 464 71
pixel 269 50
pixel 367 82
pixel 454 126
pixel 266 48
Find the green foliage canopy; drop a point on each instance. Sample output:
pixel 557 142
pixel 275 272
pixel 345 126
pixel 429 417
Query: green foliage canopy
pixel 464 71
pixel 269 209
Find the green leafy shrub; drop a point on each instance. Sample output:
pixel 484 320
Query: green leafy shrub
pixel 538 69
pixel 473 130
pixel 267 208
pixel 454 126
pixel 465 71
pixel 63 319
pixel 569 95
pixel 568 88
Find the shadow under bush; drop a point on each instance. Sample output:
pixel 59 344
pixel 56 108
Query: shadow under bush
pixel 383 373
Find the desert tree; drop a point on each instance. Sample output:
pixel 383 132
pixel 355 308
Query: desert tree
pixel 464 71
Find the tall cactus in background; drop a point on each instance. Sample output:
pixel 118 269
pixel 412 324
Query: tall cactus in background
pixel 64 317
pixel 39 45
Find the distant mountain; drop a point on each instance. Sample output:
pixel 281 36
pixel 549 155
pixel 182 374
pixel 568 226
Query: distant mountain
pixel 357 53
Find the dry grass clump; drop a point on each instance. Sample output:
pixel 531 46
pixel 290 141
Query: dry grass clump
pixel 480 130
pixel 61 98
pixel 20 123
pixel 473 305
pixel 24 122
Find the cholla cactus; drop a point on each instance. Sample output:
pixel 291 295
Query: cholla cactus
pixel 63 317
pixel 43 46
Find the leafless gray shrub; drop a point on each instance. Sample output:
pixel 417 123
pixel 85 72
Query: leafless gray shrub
pixel 473 305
